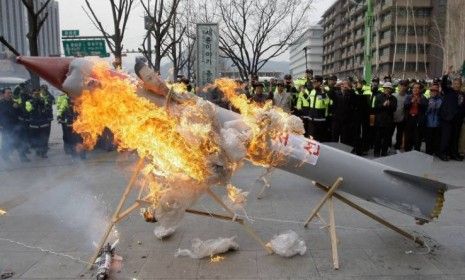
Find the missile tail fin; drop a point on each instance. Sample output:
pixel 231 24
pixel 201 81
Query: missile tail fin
pixel 413 162
pixel 429 184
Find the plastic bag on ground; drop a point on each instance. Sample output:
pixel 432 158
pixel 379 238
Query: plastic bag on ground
pixel 162 232
pixel 207 248
pixel 287 244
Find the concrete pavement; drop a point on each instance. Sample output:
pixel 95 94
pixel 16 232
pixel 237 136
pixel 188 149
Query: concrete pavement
pixel 57 208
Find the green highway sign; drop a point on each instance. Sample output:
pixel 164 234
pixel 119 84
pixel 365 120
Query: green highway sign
pixel 69 33
pixel 94 47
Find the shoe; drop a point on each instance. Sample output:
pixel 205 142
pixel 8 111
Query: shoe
pixel 443 157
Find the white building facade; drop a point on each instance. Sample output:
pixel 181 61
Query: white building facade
pixel 14 27
pixel 312 41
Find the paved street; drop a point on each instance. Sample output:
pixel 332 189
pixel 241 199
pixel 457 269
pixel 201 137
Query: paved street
pixel 57 208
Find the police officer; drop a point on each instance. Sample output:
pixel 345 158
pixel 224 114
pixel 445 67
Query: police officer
pixel 21 95
pixel 9 122
pixel 330 89
pixel 66 123
pixel 40 117
pixel 374 91
pixel 361 117
pixel 309 79
pixel 302 108
pixel 318 106
pixel 66 116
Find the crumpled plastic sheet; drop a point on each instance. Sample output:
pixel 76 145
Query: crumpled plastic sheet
pixel 172 206
pixel 208 248
pixel 287 244
pixel 163 232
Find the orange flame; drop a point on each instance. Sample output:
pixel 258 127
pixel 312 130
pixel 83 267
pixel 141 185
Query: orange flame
pixel 258 118
pixel 139 125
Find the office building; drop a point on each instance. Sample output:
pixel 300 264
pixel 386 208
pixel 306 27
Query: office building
pixel 403 42
pixel 311 45
pixel 14 27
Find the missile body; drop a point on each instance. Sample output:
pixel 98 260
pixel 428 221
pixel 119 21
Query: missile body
pixel 373 181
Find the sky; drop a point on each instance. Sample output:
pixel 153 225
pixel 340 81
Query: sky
pixel 72 16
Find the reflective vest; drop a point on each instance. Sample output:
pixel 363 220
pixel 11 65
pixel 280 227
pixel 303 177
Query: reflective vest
pixel 319 102
pixel 300 82
pixel 329 110
pixel 302 100
pixel 427 93
pixel 62 104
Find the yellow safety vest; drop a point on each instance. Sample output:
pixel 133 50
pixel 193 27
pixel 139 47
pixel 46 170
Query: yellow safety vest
pixel 302 100
pixel 318 105
pixel 62 104
pixel 427 93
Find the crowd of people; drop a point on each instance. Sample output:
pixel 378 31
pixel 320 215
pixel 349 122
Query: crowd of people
pixel 368 117
pixel 26 116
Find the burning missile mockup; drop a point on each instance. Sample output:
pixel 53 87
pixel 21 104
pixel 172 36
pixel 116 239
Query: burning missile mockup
pixel 271 140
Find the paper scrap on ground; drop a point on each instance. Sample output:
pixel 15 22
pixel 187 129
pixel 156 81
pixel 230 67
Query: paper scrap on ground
pixel 202 249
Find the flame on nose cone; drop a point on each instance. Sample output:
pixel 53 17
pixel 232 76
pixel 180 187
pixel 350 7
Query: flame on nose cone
pixel 51 69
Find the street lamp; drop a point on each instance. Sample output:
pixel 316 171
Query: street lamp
pixel 306 60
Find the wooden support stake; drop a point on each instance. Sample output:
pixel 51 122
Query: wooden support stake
pixel 328 194
pixel 332 233
pixel 247 228
pixel 202 213
pixel 374 217
pixel 114 220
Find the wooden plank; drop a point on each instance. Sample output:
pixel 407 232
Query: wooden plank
pixel 373 216
pixel 332 234
pixel 328 194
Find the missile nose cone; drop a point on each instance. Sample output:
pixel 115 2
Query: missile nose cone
pixel 51 69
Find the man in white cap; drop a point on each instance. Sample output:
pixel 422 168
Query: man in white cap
pixel 385 106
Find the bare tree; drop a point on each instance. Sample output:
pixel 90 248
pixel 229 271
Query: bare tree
pixel 253 32
pixel 174 43
pixel 438 41
pixel 36 17
pixel 416 37
pixel 187 22
pixel 161 16
pixel 120 9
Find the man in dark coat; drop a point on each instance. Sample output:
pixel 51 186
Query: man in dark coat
pixel 9 123
pixel 385 106
pixel 451 114
pixel 344 110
